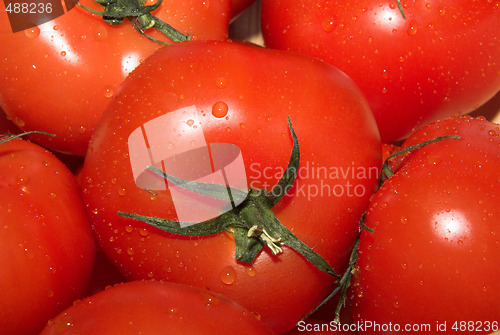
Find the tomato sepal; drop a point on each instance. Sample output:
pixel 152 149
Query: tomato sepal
pixel 139 15
pixel 252 222
pixel 8 137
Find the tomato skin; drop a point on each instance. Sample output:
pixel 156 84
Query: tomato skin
pixel 60 76
pixel 152 307
pixel 261 88
pixel 238 6
pixel 434 255
pixel 442 60
pixel 46 243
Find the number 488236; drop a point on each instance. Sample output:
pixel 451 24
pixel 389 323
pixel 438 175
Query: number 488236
pixel 485 326
pixel 29 8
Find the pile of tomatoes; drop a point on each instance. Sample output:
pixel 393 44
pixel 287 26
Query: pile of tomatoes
pixel 158 177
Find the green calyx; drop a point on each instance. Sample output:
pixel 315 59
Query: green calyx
pixel 115 11
pixel 252 222
pixel 9 137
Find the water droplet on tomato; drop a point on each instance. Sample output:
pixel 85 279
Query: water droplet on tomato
pixel 257 315
pixel 50 293
pixel 122 192
pixel 108 92
pixel 190 122
pixel 412 28
pixel 172 311
pixel 220 109
pixel 101 32
pixel 63 53
pixel 433 160
pixel 396 305
pixel 328 25
pixel 19 122
pixel 211 300
pixel 129 229
pixel 228 275
pixel 32 32
pixel 62 323
pixel 221 82
pixel 56 27
pixel 250 270
pixel 206 4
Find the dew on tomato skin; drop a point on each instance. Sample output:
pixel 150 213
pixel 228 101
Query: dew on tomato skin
pixel 228 275
pixel 32 32
pixel 211 300
pixel 100 32
pixel 172 311
pixel 412 29
pixel 108 92
pixel 221 82
pixel 220 109
pixel 328 25
pixel 250 271
pixel 62 323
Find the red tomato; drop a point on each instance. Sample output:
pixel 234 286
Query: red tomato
pixel 442 60
pixel 46 244
pixel 238 6
pixel 434 255
pixel 59 77
pixel 6 125
pixel 155 307
pixel 241 95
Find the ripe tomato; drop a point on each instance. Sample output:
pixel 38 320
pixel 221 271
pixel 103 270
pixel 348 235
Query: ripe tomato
pixel 6 125
pixel 442 60
pixel 238 6
pixel 46 245
pixel 434 255
pixel 226 92
pixel 58 77
pixel 155 307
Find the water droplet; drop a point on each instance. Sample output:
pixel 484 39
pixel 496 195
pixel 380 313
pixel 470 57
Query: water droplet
pixel 221 82
pixel 122 192
pixel 101 32
pixel 250 270
pixel 206 4
pixel 144 232
pixel 19 122
pixel 396 305
pixel 211 300
pixel 172 311
pixel 56 27
pixel 32 32
pixel 130 251
pixel 404 266
pixel 108 92
pixel 433 160
pixel 190 122
pixel 328 25
pixel 62 323
pixel 63 53
pixel 228 275
pixel 52 195
pixel 257 315
pixel 412 29
pixel 129 229
pixel 220 109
